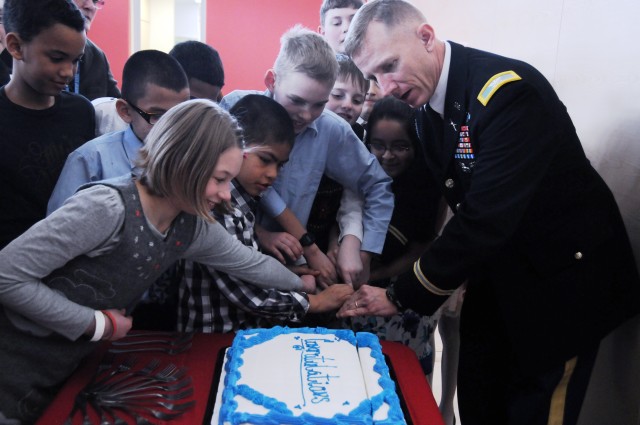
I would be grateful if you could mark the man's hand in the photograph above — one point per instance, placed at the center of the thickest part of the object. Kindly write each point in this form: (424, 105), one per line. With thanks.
(367, 301)
(279, 244)
(330, 299)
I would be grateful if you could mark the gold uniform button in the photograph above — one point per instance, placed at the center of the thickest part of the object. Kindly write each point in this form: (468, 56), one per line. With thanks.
(449, 183)
(578, 255)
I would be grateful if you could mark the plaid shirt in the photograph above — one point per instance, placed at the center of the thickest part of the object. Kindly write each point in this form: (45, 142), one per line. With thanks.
(213, 301)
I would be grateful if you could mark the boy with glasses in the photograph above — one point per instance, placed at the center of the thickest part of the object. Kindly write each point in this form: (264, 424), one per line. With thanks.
(153, 82)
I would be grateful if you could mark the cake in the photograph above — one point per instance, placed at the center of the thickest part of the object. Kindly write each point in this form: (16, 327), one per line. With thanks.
(306, 376)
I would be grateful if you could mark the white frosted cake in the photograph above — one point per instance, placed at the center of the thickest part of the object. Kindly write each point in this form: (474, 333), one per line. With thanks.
(306, 376)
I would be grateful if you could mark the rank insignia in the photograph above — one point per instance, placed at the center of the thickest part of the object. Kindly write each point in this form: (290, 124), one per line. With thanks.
(494, 84)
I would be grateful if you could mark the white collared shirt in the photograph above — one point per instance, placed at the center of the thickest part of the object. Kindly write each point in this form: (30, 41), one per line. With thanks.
(437, 100)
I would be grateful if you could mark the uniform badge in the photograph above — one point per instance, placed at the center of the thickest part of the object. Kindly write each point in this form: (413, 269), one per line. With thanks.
(465, 155)
(494, 83)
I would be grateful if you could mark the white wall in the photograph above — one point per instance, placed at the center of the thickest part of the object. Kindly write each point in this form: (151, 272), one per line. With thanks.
(590, 52)
(160, 24)
(161, 28)
(187, 20)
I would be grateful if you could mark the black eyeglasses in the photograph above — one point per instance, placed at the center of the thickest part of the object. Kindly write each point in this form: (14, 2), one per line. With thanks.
(394, 149)
(150, 118)
(99, 4)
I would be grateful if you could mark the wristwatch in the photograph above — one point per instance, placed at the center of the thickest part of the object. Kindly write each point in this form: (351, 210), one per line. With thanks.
(391, 295)
(307, 240)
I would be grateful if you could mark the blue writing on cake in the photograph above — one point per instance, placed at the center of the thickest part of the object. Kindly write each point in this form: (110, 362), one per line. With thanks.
(315, 376)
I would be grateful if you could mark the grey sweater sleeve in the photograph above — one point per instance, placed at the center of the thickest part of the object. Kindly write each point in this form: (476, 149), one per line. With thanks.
(214, 247)
(88, 223)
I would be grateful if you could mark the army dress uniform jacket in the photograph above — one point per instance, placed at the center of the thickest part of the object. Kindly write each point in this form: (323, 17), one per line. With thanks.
(534, 223)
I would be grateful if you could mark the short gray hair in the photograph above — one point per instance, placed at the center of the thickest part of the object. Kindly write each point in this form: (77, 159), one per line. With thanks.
(306, 51)
(182, 150)
(388, 12)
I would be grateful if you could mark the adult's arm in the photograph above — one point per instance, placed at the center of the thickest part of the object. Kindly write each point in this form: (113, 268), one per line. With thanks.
(401, 264)
(519, 134)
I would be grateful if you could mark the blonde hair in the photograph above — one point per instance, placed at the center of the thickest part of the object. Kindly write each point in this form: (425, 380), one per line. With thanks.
(305, 51)
(182, 150)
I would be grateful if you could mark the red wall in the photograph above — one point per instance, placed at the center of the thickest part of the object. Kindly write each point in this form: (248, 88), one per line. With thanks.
(246, 33)
(110, 31)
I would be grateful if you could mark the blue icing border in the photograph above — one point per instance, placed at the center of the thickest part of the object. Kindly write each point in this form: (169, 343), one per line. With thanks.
(388, 394)
(278, 411)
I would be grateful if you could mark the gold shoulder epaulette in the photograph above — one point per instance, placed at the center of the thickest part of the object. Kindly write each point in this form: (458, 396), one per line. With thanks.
(494, 84)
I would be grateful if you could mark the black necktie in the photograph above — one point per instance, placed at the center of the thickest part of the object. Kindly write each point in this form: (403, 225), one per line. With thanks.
(429, 126)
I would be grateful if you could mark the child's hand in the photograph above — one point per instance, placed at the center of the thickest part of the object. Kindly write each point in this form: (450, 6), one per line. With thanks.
(309, 285)
(279, 244)
(319, 261)
(302, 270)
(330, 299)
(349, 261)
(117, 319)
(363, 278)
(332, 254)
(308, 275)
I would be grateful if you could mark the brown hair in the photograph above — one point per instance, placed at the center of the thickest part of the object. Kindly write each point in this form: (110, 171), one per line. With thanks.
(182, 150)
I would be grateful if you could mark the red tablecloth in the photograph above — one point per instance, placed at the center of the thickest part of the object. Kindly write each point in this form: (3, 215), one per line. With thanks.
(201, 361)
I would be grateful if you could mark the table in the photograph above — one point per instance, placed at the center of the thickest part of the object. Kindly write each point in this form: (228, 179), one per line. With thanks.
(201, 360)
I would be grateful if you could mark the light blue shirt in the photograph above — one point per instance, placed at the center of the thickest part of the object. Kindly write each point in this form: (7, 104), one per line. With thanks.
(328, 146)
(110, 155)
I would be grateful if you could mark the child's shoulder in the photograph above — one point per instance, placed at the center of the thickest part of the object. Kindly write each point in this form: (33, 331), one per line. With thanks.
(329, 124)
(63, 101)
(75, 101)
(101, 200)
(102, 142)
